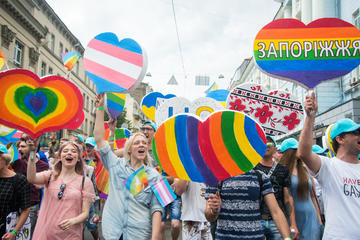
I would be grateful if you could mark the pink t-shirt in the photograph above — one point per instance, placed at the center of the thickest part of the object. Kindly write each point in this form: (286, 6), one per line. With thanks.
(53, 210)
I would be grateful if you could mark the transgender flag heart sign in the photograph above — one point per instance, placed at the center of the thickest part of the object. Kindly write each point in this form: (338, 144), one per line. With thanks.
(113, 65)
(326, 48)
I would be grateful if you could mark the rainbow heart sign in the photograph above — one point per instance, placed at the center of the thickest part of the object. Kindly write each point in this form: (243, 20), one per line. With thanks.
(227, 143)
(277, 111)
(148, 103)
(113, 65)
(35, 105)
(326, 48)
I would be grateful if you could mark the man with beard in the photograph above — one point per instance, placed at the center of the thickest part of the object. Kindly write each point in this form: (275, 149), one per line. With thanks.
(20, 166)
(280, 179)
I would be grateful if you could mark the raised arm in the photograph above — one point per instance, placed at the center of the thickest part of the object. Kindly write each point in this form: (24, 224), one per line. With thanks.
(99, 129)
(278, 215)
(311, 160)
(32, 176)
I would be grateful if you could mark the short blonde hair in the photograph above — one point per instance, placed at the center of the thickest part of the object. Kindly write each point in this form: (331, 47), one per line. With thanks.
(128, 144)
(6, 157)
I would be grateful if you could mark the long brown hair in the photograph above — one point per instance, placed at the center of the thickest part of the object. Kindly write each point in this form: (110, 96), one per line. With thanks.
(290, 160)
(79, 167)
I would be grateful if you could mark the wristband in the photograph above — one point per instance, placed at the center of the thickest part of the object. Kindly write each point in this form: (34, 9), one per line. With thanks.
(14, 232)
(101, 108)
(111, 139)
(213, 213)
(287, 238)
(97, 213)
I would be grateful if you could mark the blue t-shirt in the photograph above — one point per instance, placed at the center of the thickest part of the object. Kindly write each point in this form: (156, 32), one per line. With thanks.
(240, 216)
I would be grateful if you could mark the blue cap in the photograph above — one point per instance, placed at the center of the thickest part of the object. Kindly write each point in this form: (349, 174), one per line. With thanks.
(344, 125)
(278, 147)
(272, 138)
(319, 150)
(289, 143)
(3, 149)
(150, 124)
(80, 137)
(90, 141)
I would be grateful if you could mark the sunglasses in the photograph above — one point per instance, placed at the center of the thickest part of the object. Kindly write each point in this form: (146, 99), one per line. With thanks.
(61, 193)
(146, 129)
(270, 145)
(356, 132)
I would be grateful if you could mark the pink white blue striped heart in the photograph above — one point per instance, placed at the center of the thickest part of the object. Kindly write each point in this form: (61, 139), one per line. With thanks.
(113, 65)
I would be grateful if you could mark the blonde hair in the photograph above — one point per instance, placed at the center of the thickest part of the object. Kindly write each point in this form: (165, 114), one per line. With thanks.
(128, 144)
(6, 157)
(79, 167)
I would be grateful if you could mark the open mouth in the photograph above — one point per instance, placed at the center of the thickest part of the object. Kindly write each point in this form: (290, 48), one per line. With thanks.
(69, 159)
(141, 151)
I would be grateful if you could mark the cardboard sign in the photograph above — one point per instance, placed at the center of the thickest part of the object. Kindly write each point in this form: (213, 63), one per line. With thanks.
(114, 104)
(35, 105)
(113, 65)
(70, 59)
(148, 103)
(278, 112)
(326, 48)
(227, 143)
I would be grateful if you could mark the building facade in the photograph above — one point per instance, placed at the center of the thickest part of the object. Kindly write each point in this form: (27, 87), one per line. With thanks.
(337, 98)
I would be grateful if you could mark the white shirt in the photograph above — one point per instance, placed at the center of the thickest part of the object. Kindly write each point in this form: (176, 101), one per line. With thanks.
(193, 203)
(340, 182)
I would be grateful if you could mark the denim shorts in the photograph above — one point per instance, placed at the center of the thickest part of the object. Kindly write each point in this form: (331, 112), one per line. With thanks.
(270, 230)
(90, 225)
(175, 210)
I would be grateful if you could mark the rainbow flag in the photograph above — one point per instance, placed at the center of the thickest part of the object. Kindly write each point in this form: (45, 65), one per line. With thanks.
(137, 181)
(163, 192)
(213, 87)
(70, 59)
(115, 103)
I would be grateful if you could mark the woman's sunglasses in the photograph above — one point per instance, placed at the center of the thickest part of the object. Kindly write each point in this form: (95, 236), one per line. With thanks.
(61, 193)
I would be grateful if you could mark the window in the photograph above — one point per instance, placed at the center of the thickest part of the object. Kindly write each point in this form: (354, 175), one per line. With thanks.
(202, 80)
(50, 71)
(90, 128)
(61, 49)
(92, 105)
(18, 53)
(66, 50)
(84, 98)
(43, 69)
(87, 103)
(86, 126)
(52, 42)
(76, 68)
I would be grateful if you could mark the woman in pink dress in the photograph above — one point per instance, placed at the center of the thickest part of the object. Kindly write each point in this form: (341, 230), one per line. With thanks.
(67, 196)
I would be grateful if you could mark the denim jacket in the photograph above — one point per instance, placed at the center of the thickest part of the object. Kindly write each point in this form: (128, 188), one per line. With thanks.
(123, 213)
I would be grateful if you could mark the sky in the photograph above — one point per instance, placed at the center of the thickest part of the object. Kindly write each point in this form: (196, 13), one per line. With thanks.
(215, 35)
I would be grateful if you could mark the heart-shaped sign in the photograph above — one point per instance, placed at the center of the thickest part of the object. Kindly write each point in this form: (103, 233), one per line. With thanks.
(2, 60)
(277, 111)
(35, 105)
(324, 49)
(148, 103)
(227, 143)
(113, 65)
(114, 104)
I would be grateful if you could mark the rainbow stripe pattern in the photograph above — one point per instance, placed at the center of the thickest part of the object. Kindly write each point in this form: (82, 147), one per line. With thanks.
(115, 103)
(163, 192)
(113, 65)
(148, 103)
(213, 87)
(121, 135)
(307, 54)
(2, 60)
(70, 59)
(35, 105)
(137, 181)
(226, 144)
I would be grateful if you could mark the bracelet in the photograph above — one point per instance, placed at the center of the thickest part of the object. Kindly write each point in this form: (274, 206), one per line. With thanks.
(111, 139)
(101, 108)
(14, 232)
(287, 238)
(97, 213)
(213, 213)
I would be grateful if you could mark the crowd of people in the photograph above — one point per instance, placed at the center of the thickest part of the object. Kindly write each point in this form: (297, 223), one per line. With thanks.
(295, 192)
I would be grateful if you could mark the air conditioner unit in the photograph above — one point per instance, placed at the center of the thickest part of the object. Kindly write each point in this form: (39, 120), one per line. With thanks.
(354, 81)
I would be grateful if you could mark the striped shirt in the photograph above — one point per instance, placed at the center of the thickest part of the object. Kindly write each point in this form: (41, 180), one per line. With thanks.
(240, 216)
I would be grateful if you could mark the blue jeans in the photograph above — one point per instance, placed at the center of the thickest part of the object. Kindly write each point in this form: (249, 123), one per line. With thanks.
(175, 210)
(90, 225)
(271, 232)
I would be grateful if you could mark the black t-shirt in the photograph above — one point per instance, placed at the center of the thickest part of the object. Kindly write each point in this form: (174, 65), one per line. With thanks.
(280, 178)
(14, 195)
